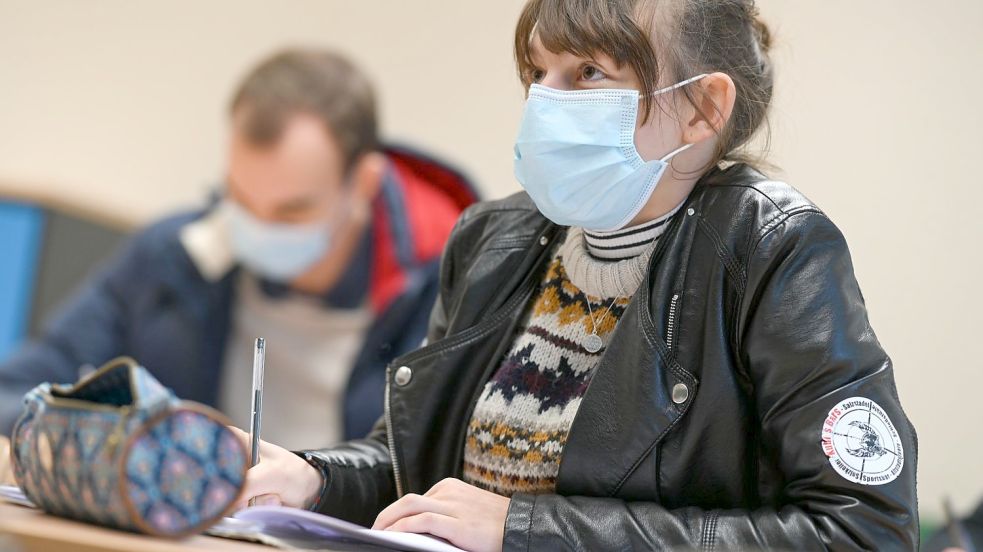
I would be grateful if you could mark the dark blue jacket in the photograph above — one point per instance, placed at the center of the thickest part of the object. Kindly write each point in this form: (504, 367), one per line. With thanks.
(151, 303)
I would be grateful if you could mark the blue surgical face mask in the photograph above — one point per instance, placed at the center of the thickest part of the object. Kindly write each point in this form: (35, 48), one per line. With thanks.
(275, 251)
(575, 155)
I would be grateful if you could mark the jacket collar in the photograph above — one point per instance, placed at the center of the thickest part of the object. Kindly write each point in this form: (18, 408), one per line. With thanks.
(207, 244)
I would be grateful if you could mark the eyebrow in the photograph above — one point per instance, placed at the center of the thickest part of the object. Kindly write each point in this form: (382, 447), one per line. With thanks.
(293, 206)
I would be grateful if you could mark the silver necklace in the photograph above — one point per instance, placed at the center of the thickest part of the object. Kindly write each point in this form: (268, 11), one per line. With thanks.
(593, 342)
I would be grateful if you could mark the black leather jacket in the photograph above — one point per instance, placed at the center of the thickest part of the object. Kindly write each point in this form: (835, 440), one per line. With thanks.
(703, 424)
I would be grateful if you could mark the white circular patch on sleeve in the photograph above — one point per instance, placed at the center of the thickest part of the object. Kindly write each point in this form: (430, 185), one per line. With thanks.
(861, 442)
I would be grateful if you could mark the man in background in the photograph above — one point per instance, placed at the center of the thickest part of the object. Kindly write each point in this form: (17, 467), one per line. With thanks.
(323, 241)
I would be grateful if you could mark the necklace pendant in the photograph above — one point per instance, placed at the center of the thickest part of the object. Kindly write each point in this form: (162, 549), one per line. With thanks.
(593, 343)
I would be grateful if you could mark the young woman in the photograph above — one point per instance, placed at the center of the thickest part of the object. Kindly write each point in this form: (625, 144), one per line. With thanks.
(635, 353)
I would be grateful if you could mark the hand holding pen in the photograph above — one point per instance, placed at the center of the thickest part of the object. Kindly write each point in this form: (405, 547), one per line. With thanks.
(283, 478)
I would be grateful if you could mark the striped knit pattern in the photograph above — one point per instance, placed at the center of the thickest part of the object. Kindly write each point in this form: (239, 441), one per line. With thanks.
(628, 242)
(520, 423)
(519, 427)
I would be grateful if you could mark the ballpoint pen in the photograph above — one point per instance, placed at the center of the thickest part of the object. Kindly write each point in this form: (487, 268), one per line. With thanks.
(256, 419)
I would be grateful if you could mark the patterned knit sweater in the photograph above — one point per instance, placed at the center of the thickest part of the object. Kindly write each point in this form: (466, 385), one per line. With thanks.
(520, 423)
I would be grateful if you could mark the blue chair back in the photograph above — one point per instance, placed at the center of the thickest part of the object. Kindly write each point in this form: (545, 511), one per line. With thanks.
(21, 230)
(45, 253)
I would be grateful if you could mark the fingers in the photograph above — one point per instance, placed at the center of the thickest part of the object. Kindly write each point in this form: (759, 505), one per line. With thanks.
(410, 505)
(261, 500)
(279, 472)
(266, 449)
(260, 480)
(430, 523)
(446, 487)
(240, 434)
(267, 500)
(468, 517)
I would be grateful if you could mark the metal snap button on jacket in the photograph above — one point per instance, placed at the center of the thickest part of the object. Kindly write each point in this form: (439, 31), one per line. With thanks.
(679, 392)
(403, 375)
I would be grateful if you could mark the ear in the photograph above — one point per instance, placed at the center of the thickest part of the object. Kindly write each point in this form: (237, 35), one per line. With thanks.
(366, 176)
(714, 97)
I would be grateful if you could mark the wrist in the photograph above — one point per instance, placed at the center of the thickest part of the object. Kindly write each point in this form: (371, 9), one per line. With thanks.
(313, 479)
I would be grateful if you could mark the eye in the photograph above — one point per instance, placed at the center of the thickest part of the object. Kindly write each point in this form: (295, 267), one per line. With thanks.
(536, 75)
(592, 73)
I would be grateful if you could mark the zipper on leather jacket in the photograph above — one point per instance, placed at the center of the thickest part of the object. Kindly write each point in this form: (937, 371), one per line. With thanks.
(390, 440)
(671, 326)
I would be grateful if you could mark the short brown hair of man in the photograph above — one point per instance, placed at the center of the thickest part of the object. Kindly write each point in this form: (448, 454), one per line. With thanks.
(309, 81)
(692, 37)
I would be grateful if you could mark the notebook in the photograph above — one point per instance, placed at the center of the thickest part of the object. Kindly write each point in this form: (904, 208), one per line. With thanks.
(296, 528)
(292, 528)
(13, 494)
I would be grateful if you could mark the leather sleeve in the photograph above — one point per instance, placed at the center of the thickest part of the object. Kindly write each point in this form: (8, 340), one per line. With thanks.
(808, 350)
(358, 477)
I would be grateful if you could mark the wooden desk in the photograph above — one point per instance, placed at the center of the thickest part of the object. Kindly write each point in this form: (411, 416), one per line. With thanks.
(31, 530)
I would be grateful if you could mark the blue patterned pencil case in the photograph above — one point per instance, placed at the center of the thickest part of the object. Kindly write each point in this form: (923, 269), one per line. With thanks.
(121, 450)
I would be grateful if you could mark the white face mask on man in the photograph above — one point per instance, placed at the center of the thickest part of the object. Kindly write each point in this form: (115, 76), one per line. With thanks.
(279, 252)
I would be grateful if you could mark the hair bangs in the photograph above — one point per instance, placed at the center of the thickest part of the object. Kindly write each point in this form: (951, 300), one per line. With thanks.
(586, 28)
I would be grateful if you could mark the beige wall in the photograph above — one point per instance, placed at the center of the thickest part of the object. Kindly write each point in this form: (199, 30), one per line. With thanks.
(119, 105)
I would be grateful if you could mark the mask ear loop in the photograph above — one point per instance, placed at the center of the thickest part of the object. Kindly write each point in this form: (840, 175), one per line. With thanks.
(679, 84)
(674, 152)
(690, 80)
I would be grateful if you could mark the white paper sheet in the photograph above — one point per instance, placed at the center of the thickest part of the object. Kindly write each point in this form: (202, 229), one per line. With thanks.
(13, 494)
(297, 529)
(284, 521)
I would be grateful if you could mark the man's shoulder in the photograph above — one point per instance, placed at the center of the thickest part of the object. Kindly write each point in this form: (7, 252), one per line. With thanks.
(168, 228)
(156, 248)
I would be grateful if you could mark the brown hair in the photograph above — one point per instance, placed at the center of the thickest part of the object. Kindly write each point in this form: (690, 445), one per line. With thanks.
(695, 36)
(317, 82)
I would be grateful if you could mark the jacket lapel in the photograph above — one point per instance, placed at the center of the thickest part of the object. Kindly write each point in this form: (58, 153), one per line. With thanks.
(628, 407)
